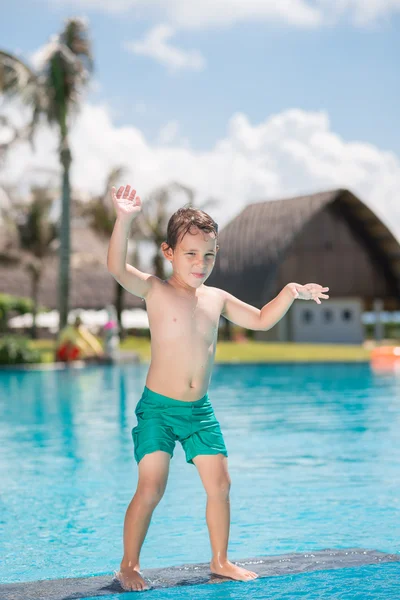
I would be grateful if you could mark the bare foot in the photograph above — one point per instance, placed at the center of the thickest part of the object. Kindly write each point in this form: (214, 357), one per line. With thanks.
(228, 569)
(130, 579)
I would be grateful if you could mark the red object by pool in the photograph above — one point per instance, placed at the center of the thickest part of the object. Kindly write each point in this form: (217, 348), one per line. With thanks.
(67, 352)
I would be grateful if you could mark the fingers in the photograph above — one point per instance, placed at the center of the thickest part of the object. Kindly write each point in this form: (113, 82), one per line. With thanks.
(124, 192)
(317, 292)
(124, 199)
(317, 298)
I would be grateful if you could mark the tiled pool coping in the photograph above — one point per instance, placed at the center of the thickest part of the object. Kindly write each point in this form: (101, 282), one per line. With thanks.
(195, 574)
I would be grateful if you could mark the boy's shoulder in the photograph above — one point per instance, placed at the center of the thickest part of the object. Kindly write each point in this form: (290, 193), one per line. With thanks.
(215, 292)
(212, 289)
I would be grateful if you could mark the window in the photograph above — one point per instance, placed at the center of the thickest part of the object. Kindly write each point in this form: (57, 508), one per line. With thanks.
(347, 314)
(327, 315)
(307, 316)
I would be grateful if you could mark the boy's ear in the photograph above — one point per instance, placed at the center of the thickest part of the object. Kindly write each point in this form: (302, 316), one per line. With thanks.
(168, 252)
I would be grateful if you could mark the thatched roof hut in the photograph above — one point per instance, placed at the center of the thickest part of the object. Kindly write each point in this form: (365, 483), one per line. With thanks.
(331, 238)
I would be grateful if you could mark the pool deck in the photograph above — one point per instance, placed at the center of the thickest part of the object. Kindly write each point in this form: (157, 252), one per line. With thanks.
(122, 359)
(195, 574)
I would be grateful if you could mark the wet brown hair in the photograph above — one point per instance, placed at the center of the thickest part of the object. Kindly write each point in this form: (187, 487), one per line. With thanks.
(183, 219)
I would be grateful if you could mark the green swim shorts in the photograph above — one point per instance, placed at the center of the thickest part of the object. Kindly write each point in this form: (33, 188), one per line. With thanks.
(163, 420)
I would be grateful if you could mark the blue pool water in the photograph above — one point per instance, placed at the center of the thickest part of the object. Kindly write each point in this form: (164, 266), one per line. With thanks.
(314, 459)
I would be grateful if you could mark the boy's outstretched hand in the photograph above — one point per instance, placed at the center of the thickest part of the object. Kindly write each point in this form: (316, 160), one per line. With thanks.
(310, 291)
(125, 204)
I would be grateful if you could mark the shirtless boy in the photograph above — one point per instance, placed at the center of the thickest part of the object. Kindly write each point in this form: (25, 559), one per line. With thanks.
(184, 315)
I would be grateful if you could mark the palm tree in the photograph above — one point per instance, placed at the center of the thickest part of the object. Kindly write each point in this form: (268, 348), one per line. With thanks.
(37, 236)
(54, 92)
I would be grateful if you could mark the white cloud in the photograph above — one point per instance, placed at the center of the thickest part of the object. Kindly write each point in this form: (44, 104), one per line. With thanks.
(360, 12)
(155, 45)
(289, 153)
(41, 55)
(224, 13)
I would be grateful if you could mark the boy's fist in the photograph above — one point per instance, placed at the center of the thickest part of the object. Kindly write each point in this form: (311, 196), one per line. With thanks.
(125, 203)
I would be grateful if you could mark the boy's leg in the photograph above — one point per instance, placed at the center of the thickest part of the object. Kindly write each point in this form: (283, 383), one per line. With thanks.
(213, 470)
(153, 476)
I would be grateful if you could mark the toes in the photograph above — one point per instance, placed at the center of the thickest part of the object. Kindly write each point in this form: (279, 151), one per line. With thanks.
(250, 575)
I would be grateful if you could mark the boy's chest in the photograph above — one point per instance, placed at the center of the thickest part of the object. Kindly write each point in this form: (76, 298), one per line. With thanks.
(185, 318)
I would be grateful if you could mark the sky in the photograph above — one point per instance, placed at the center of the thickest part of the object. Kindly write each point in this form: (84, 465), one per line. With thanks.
(242, 101)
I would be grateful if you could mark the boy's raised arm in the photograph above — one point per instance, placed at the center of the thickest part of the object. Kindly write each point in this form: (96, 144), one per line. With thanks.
(249, 317)
(127, 208)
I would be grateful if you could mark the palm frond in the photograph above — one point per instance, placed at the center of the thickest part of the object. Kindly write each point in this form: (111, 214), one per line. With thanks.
(15, 75)
(76, 37)
(36, 231)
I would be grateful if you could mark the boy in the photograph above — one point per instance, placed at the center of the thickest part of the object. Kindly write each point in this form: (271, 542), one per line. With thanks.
(184, 316)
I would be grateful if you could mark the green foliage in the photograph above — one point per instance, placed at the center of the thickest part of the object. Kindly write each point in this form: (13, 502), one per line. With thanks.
(15, 350)
(391, 331)
(18, 304)
(13, 303)
(36, 230)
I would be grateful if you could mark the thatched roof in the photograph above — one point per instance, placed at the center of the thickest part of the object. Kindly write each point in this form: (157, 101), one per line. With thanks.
(255, 242)
(91, 285)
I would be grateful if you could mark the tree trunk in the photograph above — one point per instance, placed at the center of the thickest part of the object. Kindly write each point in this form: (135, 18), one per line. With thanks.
(119, 305)
(158, 265)
(34, 295)
(65, 243)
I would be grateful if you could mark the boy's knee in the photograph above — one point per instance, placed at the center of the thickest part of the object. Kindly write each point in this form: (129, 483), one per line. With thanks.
(150, 492)
(220, 488)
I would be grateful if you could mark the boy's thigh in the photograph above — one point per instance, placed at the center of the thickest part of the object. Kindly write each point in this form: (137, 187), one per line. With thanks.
(214, 474)
(153, 470)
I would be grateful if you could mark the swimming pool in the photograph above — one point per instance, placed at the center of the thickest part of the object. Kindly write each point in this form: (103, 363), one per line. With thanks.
(314, 460)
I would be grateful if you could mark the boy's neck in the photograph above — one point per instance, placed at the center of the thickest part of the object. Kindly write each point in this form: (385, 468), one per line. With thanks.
(181, 286)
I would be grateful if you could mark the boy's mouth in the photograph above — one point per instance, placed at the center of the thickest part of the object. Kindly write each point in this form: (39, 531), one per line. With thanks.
(199, 275)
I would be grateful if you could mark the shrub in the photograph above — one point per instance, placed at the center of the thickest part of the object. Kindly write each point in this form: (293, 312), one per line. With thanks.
(15, 350)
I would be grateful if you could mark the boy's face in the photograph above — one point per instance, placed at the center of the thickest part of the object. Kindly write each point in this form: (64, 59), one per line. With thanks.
(194, 257)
